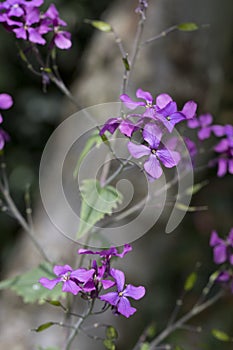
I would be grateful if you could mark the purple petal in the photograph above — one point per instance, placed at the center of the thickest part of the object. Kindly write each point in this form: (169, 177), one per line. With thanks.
(60, 270)
(6, 101)
(145, 96)
(204, 133)
(111, 298)
(71, 287)
(230, 237)
(162, 100)
(222, 167)
(229, 130)
(176, 118)
(107, 284)
(169, 109)
(230, 166)
(153, 167)
(52, 12)
(111, 125)
(35, 36)
(129, 103)
(223, 276)
(127, 248)
(32, 16)
(16, 11)
(205, 119)
(119, 277)
(193, 123)
(124, 307)
(138, 151)
(168, 158)
(189, 109)
(20, 33)
(214, 239)
(89, 286)
(231, 259)
(152, 134)
(220, 254)
(62, 40)
(86, 251)
(218, 130)
(134, 292)
(50, 284)
(222, 146)
(127, 128)
(82, 275)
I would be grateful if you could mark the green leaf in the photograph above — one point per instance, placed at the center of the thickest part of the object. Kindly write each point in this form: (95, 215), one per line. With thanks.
(190, 281)
(43, 326)
(94, 196)
(187, 27)
(109, 344)
(222, 336)
(28, 287)
(196, 188)
(55, 303)
(94, 139)
(102, 26)
(184, 207)
(126, 63)
(145, 346)
(111, 333)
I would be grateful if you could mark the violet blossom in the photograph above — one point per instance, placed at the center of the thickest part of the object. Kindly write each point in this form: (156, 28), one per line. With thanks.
(119, 299)
(156, 151)
(164, 109)
(225, 150)
(6, 102)
(74, 281)
(222, 249)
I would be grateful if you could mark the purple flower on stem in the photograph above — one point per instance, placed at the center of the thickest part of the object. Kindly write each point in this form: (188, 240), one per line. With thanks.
(164, 110)
(225, 148)
(226, 276)
(6, 102)
(119, 299)
(74, 281)
(156, 152)
(222, 248)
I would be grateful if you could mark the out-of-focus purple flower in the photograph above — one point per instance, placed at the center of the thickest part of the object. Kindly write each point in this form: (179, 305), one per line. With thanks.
(141, 9)
(6, 102)
(222, 249)
(119, 299)
(155, 151)
(163, 110)
(203, 122)
(225, 149)
(74, 281)
(226, 277)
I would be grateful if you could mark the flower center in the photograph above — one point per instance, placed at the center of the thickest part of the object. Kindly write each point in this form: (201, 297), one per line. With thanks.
(153, 151)
(120, 294)
(66, 277)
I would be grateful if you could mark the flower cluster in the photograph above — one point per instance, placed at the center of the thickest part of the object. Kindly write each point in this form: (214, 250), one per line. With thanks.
(224, 148)
(25, 19)
(6, 102)
(223, 255)
(157, 120)
(90, 282)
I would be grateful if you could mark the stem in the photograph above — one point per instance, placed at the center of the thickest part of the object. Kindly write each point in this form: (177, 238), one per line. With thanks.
(23, 223)
(179, 323)
(77, 327)
(160, 35)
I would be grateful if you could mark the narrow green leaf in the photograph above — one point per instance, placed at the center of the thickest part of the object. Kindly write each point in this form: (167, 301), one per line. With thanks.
(28, 287)
(190, 281)
(109, 345)
(54, 303)
(43, 326)
(213, 276)
(94, 139)
(196, 188)
(126, 63)
(222, 336)
(111, 333)
(102, 26)
(184, 207)
(145, 346)
(151, 331)
(23, 56)
(187, 27)
(94, 196)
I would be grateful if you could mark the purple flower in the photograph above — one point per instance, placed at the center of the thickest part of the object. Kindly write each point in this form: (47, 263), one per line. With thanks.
(156, 152)
(164, 110)
(74, 281)
(6, 102)
(119, 300)
(222, 248)
(225, 148)
(126, 126)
